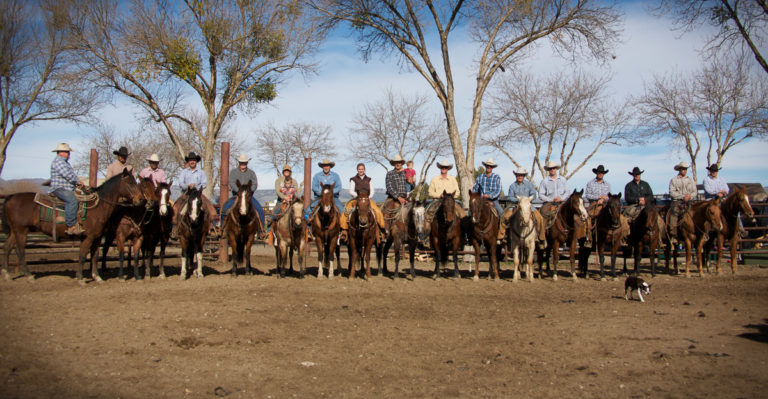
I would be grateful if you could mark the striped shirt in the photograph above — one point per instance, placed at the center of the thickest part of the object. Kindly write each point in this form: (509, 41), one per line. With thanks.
(189, 176)
(62, 174)
(395, 182)
(157, 175)
(488, 185)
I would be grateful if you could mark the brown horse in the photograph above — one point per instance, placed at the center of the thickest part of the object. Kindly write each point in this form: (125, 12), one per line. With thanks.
(363, 231)
(290, 232)
(157, 230)
(570, 226)
(484, 230)
(194, 223)
(406, 225)
(22, 215)
(608, 231)
(694, 226)
(645, 230)
(242, 225)
(445, 234)
(737, 202)
(325, 229)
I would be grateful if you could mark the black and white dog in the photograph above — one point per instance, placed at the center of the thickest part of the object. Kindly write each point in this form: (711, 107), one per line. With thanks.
(633, 283)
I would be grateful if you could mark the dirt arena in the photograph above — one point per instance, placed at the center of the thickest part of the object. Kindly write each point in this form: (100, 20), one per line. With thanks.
(264, 337)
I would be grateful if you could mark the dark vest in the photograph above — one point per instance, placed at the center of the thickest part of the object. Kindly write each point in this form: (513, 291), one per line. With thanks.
(361, 184)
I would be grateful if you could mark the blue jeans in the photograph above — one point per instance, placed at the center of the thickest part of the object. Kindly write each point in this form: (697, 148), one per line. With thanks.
(308, 211)
(254, 202)
(70, 204)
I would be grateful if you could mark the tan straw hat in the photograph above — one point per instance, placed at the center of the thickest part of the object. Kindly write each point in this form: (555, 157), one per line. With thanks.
(682, 165)
(243, 158)
(444, 164)
(397, 159)
(63, 147)
(521, 171)
(489, 163)
(326, 161)
(551, 165)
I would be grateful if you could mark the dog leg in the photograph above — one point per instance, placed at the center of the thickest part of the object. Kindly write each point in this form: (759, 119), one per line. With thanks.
(640, 294)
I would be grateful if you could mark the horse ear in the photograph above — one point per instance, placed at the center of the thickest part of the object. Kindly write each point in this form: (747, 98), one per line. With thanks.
(581, 192)
(126, 172)
(249, 184)
(237, 182)
(170, 183)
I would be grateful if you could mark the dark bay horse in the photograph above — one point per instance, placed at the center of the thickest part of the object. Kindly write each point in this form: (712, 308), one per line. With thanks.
(570, 225)
(737, 202)
(194, 223)
(290, 232)
(693, 228)
(645, 230)
(22, 215)
(363, 232)
(242, 224)
(406, 225)
(445, 234)
(325, 229)
(608, 231)
(485, 229)
(157, 230)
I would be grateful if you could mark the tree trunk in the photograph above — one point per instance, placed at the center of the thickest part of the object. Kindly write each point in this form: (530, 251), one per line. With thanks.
(3, 146)
(208, 156)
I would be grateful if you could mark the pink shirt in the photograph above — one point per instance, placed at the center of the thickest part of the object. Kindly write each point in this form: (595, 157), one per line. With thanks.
(157, 175)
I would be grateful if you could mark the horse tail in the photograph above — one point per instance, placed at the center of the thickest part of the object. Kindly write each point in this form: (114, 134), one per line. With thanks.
(240, 249)
(3, 223)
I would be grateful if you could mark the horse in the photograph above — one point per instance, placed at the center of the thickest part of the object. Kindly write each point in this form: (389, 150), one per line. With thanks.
(325, 229)
(157, 230)
(363, 232)
(570, 225)
(522, 237)
(608, 231)
(194, 223)
(406, 225)
(693, 228)
(484, 230)
(22, 215)
(242, 224)
(644, 230)
(737, 202)
(290, 231)
(445, 233)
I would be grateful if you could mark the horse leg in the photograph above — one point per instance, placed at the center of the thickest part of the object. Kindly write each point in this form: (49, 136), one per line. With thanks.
(367, 259)
(236, 252)
(108, 239)
(352, 249)
(600, 258)
(516, 254)
(476, 246)
(9, 243)
(456, 273)
(529, 260)
(320, 253)
(329, 259)
(199, 271)
(21, 250)
(385, 252)
(120, 250)
(398, 249)
(733, 247)
(94, 249)
(412, 254)
(699, 255)
(136, 253)
(652, 255)
(248, 244)
(438, 256)
(184, 259)
(555, 259)
(161, 268)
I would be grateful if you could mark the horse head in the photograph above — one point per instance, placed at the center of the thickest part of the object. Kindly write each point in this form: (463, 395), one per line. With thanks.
(297, 210)
(129, 190)
(448, 207)
(147, 189)
(418, 210)
(713, 215)
(614, 208)
(195, 203)
(524, 208)
(576, 204)
(363, 207)
(244, 195)
(163, 193)
(476, 204)
(326, 197)
(743, 205)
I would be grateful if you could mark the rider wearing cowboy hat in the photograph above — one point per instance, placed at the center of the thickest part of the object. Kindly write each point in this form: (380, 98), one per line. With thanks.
(243, 174)
(153, 171)
(488, 185)
(63, 183)
(553, 190)
(714, 186)
(358, 182)
(682, 189)
(637, 191)
(325, 176)
(191, 177)
(597, 189)
(523, 187)
(117, 167)
(439, 184)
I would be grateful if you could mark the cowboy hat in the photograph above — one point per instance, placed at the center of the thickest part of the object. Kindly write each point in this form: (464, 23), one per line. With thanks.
(192, 155)
(63, 147)
(521, 171)
(153, 158)
(599, 169)
(682, 165)
(713, 168)
(636, 171)
(489, 163)
(243, 158)
(287, 167)
(444, 164)
(326, 161)
(123, 152)
(397, 159)
(551, 165)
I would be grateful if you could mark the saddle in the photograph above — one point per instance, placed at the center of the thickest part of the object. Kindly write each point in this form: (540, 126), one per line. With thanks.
(52, 208)
(551, 214)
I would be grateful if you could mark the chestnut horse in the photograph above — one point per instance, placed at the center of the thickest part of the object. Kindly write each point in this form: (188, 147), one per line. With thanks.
(325, 229)
(694, 226)
(242, 224)
(194, 223)
(445, 234)
(608, 231)
(290, 233)
(363, 231)
(645, 230)
(22, 215)
(570, 226)
(406, 225)
(737, 202)
(485, 229)
(521, 235)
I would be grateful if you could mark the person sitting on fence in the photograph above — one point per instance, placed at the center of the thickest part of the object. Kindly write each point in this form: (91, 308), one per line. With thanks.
(243, 174)
(117, 167)
(324, 177)
(714, 186)
(63, 184)
(358, 183)
(153, 171)
(440, 184)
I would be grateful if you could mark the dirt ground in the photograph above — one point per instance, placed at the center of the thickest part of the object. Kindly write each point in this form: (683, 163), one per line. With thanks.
(265, 337)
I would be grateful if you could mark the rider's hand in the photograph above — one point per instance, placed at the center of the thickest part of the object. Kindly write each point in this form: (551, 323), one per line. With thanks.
(486, 196)
(402, 200)
(557, 199)
(191, 185)
(641, 201)
(687, 197)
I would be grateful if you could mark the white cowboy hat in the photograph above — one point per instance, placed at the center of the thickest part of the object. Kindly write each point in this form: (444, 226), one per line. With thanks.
(489, 162)
(287, 167)
(521, 171)
(397, 159)
(326, 161)
(153, 158)
(682, 165)
(444, 164)
(551, 164)
(62, 147)
(243, 158)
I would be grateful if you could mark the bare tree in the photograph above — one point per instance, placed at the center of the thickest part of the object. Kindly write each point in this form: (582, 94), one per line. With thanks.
(222, 54)
(292, 143)
(39, 79)
(398, 125)
(713, 110)
(504, 30)
(555, 117)
(742, 23)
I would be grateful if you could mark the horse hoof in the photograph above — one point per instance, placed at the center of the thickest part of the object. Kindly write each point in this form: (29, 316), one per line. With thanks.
(603, 279)
(161, 277)
(6, 276)
(475, 278)
(554, 278)
(81, 282)
(121, 279)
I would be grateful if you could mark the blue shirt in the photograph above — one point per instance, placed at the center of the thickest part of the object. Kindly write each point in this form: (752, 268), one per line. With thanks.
(713, 185)
(524, 189)
(549, 189)
(62, 174)
(189, 176)
(595, 190)
(488, 185)
(321, 178)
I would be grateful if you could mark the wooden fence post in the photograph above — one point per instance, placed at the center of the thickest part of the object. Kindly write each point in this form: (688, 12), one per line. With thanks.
(93, 169)
(307, 193)
(223, 197)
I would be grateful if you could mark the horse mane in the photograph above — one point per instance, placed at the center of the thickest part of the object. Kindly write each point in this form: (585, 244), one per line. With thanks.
(731, 202)
(110, 185)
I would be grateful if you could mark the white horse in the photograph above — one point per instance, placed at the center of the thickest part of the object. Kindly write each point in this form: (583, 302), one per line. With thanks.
(522, 237)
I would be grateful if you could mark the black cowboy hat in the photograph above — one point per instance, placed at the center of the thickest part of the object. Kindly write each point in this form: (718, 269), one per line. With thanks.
(122, 152)
(713, 168)
(192, 155)
(636, 171)
(599, 169)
